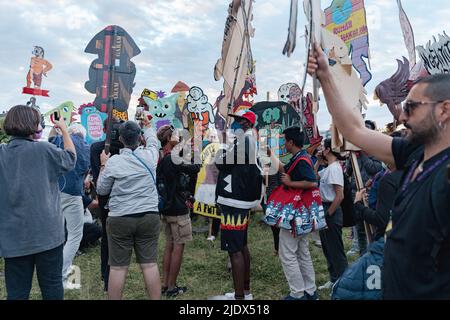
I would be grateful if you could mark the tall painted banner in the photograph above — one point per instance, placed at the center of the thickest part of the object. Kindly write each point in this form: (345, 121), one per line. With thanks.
(347, 19)
(205, 190)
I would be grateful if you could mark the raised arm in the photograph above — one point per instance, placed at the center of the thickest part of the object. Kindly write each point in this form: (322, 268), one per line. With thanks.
(346, 120)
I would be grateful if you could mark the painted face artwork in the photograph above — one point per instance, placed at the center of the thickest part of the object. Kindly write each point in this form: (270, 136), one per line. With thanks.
(163, 111)
(283, 92)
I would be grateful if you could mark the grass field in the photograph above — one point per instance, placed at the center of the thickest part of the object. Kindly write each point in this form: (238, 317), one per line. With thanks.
(203, 271)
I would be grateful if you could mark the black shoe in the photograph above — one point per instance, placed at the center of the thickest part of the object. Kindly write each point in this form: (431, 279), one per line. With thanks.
(313, 296)
(164, 290)
(175, 292)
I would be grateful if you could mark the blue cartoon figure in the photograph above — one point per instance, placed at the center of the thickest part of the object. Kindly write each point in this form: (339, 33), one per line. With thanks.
(92, 120)
(163, 111)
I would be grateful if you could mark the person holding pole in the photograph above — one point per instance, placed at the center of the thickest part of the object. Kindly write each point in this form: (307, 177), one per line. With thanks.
(417, 249)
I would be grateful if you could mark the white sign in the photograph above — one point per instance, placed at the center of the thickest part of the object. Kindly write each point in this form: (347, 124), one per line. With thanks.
(436, 56)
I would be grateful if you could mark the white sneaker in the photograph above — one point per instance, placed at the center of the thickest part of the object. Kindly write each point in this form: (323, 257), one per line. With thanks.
(71, 286)
(352, 252)
(246, 297)
(224, 297)
(211, 238)
(327, 285)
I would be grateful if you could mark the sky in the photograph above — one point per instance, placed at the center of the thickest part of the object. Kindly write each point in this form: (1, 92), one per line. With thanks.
(182, 40)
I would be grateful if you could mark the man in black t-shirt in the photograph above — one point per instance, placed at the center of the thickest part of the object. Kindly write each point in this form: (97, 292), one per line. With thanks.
(417, 250)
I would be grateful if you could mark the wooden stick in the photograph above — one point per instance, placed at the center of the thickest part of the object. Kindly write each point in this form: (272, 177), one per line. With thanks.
(210, 227)
(359, 186)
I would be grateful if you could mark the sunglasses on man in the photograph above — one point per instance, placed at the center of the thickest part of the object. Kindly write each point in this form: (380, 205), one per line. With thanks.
(410, 105)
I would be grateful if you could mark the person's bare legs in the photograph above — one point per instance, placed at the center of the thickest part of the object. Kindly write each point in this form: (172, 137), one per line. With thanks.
(175, 265)
(246, 254)
(152, 280)
(238, 272)
(116, 283)
(167, 262)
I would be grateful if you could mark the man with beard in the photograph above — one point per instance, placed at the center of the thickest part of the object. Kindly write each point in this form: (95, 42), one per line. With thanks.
(417, 250)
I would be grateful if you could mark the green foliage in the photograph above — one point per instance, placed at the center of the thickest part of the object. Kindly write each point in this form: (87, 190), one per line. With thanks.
(4, 138)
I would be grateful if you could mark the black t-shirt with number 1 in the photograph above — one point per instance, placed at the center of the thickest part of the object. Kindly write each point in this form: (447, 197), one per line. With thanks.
(417, 250)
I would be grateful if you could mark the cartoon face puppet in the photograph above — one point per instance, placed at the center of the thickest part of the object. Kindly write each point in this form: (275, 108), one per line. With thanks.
(163, 111)
(38, 67)
(283, 92)
(198, 105)
(65, 110)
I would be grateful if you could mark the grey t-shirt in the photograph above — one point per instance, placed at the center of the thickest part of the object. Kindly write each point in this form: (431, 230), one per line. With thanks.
(31, 220)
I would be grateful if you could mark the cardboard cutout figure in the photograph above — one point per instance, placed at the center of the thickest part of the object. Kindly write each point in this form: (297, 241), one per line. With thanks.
(236, 64)
(32, 104)
(283, 92)
(38, 67)
(271, 120)
(408, 34)
(163, 111)
(347, 19)
(92, 120)
(200, 109)
(436, 55)
(346, 79)
(66, 111)
(205, 189)
(289, 47)
(111, 75)
(182, 88)
(393, 91)
(309, 122)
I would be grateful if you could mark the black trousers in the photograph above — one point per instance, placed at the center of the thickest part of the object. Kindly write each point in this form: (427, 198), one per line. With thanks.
(333, 245)
(104, 256)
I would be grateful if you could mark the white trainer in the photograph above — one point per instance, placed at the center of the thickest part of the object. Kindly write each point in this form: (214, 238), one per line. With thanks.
(246, 297)
(327, 285)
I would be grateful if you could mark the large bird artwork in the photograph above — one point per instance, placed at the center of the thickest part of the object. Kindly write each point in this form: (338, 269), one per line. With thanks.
(393, 91)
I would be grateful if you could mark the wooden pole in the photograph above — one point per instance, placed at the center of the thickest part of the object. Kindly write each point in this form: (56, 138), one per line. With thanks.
(359, 186)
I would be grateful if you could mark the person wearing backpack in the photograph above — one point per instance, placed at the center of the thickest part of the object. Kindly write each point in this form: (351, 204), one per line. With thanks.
(294, 252)
(173, 182)
(133, 218)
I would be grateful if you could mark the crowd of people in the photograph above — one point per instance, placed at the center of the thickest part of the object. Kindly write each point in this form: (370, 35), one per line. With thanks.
(138, 188)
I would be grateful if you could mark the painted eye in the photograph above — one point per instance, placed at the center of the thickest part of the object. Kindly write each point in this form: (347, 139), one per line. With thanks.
(65, 109)
(166, 106)
(155, 107)
(288, 96)
(282, 96)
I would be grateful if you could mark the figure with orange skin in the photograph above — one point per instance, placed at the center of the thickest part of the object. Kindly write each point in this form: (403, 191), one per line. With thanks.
(38, 67)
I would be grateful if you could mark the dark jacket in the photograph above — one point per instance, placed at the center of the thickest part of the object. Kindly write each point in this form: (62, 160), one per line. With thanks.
(387, 190)
(96, 150)
(174, 194)
(72, 182)
(368, 167)
(240, 177)
(362, 280)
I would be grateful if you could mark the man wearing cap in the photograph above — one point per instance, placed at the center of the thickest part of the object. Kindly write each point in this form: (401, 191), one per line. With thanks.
(238, 190)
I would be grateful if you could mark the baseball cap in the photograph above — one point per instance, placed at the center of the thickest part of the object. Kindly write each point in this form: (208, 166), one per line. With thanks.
(245, 114)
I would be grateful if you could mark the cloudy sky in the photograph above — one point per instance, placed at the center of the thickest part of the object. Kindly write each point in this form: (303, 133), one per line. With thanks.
(181, 40)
